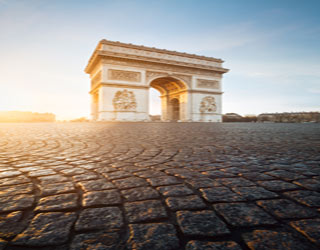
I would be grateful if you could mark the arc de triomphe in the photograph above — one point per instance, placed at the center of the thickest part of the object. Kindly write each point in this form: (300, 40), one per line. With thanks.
(121, 75)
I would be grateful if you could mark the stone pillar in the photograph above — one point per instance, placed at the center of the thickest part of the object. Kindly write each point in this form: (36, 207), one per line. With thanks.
(94, 106)
(164, 108)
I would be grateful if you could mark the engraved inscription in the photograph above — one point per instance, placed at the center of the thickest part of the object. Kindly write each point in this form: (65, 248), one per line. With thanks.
(209, 84)
(123, 75)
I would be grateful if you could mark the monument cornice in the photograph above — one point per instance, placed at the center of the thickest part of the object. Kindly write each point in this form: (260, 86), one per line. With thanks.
(152, 55)
(99, 55)
(164, 51)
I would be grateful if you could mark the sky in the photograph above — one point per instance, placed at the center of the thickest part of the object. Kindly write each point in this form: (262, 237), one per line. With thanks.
(272, 49)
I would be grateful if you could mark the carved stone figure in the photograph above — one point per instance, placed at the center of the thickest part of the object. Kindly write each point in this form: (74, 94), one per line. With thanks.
(124, 101)
(208, 105)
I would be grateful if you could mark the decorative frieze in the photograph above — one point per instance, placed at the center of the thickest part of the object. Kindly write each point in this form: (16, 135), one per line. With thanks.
(208, 105)
(124, 101)
(208, 84)
(156, 66)
(123, 75)
(151, 53)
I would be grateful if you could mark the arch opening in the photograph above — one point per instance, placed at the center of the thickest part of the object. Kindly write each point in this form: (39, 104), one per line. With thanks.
(173, 95)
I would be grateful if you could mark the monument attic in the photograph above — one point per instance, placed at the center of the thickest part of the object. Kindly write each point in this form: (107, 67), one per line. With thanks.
(121, 75)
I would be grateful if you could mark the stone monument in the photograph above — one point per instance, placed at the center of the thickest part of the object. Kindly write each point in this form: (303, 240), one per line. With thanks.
(121, 75)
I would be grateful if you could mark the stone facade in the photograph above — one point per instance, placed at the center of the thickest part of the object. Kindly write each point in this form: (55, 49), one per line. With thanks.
(121, 75)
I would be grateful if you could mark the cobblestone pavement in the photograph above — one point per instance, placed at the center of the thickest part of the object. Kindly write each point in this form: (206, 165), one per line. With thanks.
(159, 186)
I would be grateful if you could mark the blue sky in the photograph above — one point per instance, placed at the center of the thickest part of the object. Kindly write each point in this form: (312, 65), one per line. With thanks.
(272, 49)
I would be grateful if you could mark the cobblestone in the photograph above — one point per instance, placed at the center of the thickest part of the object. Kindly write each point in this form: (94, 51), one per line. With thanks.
(312, 184)
(242, 214)
(14, 181)
(310, 228)
(220, 194)
(56, 188)
(107, 197)
(203, 223)
(95, 185)
(140, 193)
(207, 245)
(9, 174)
(309, 198)
(17, 189)
(286, 209)
(57, 202)
(277, 185)
(47, 229)
(254, 193)
(176, 190)
(17, 202)
(189, 202)
(52, 179)
(163, 180)
(265, 240)
(98, 241)
(159, 186)
(10, 224)
(130, 182)
(157, 236)
(99, 218)
(144, 211)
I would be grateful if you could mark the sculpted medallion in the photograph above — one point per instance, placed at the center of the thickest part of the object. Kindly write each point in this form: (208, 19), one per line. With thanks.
(208, 105)
(124, 101)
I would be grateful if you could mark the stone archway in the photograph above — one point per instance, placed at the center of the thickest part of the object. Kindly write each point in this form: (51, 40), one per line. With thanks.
(173, 92)
(121, 75)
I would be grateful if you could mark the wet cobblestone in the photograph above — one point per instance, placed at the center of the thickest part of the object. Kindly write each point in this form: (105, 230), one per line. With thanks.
(159, 186)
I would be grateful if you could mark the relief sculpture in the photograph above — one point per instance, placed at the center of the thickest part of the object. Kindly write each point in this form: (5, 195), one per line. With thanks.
(124, 101)
(209, 84)
(208, 105)
(123, 75)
